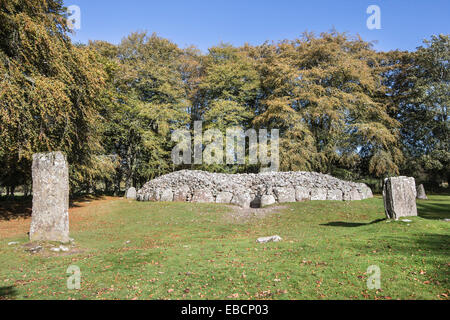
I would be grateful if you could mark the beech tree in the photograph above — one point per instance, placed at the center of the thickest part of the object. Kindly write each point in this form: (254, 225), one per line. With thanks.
(48, 91)
(322, 92)
(420, 89)
(341, 107)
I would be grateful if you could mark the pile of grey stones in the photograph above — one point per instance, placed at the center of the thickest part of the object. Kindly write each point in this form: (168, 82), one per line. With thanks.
(250, 190)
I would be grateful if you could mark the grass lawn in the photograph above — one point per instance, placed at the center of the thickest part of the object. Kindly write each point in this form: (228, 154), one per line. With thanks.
(136, 250)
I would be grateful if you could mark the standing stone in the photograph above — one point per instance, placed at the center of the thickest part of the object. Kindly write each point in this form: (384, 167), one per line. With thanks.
(302, 194)
(399, 195)
(319, 194)
(50, 215)
(131, 193)
(242, 200)
(267, 200)
(335, 195)
(166, 195)
(355, 195)
(154, 195)
(366, 192)
(181, 194)
(285, 195)
(421, 195)
(352, 195)
(203, 196)
(224, 197)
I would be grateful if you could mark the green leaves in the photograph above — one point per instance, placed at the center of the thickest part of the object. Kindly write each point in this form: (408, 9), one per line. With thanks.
(421, 93)
(340, 106)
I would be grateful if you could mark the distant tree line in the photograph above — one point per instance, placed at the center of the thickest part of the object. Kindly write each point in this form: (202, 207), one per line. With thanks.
(342, 107)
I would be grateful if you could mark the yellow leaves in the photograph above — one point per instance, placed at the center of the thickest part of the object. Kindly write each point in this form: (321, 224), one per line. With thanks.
(375, 133)
(224, 113)
(331, 84)
(278, 109)
(381, 164)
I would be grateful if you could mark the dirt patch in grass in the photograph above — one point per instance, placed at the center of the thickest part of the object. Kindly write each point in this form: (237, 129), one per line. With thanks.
(15, 217)
(240, 215)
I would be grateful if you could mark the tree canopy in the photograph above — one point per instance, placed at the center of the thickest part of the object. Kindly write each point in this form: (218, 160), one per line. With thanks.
(341, 107)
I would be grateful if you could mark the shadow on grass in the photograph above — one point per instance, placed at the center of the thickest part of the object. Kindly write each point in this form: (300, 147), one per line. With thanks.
(429, 251)
(17, 208)
(83, 199)
(433, 210)
(7, 293)
(430, 245)
(350, 224)
(21, 207)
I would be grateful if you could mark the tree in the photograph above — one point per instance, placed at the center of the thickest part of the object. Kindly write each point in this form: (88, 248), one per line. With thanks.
(147, 101)
(49, 90)
(420, 89)
(321, 91)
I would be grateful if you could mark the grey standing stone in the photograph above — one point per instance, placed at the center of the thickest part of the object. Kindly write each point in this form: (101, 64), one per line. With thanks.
(224, 197)
(355, 195)
(50, 214)
(166, 195)
(421, 195)
(285, 195)
(302, 194)
(242, 200)
(203, 196)
(318, 194)
(399, 195)
(335, 195)
(181, 194)
(267, 200)
(154, 195)
(366, 192)
(131, 193)
(352, 195)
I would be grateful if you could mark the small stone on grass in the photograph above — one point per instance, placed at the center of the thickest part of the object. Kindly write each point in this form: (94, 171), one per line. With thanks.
(269, 239)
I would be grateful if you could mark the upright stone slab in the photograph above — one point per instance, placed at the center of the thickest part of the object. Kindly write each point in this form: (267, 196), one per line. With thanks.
(166, 195)
(131, 193)
(224, 197)
(318, 194)
(267, 200)
(399, 195)
(285, 195)
(421, 195)
(50, 215)
(181, 194)
(302, 194)
(203, 196)
(335, 195)
(243, 200)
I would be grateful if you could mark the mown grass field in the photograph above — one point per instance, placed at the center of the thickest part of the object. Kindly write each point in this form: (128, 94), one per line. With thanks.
(135, 250)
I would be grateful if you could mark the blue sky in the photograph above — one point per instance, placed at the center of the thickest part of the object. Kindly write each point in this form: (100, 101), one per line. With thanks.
(207, 23)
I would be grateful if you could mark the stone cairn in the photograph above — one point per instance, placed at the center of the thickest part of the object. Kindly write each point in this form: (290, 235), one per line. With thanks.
(421, 195)
(50, 215)
(250, 190)
(399, 195)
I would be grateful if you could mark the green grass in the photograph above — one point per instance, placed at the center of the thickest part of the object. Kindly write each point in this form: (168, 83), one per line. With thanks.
(193, 251)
